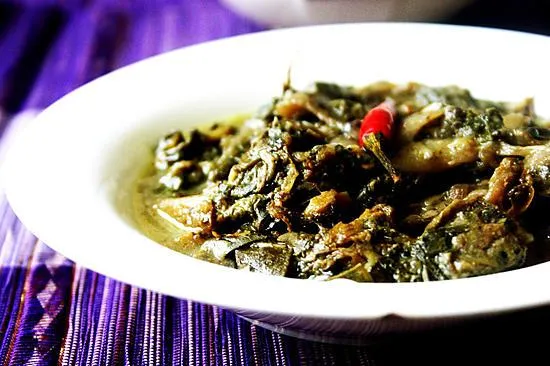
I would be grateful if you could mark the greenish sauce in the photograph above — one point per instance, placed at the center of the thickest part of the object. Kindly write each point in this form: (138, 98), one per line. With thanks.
(145, 195)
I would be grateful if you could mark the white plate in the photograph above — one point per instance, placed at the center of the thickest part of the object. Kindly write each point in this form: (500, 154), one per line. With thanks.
(69, 170)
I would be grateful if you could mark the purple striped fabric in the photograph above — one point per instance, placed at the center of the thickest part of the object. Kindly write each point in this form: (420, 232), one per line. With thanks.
(53, 311)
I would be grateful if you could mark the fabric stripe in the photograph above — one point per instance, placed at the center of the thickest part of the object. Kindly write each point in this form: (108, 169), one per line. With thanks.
(13, 270)
(70, 61)
(32, 35)
(130, 337)
(44, 308)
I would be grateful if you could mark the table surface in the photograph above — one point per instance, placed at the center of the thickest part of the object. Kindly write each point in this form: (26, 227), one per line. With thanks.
(53, 311)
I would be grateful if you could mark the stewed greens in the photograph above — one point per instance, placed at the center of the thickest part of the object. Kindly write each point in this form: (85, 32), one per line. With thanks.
(446, 186)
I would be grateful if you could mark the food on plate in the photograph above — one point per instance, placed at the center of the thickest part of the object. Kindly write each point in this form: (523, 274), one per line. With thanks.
(381, 183)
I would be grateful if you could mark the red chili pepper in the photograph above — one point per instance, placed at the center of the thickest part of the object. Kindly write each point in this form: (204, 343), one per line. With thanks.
(379, 121)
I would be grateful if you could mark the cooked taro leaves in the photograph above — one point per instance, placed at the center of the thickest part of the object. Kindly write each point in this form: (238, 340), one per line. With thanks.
(290, 192)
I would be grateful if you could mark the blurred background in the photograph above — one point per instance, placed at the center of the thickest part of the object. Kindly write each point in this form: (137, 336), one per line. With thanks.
(48, 47)
(505, 13)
